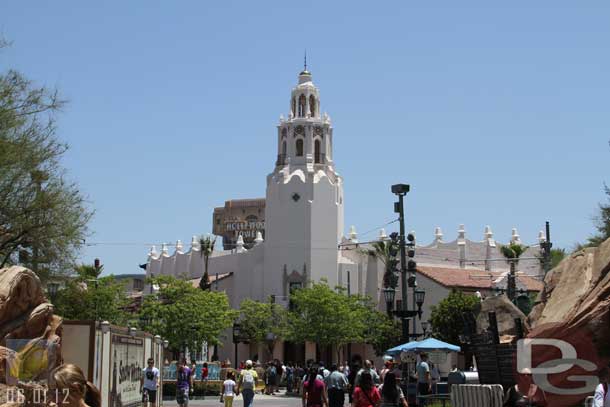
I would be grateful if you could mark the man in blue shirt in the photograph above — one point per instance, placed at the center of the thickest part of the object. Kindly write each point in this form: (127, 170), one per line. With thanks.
(424, 382)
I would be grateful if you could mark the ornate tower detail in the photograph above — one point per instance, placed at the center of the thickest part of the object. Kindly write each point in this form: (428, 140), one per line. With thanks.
(304, 200)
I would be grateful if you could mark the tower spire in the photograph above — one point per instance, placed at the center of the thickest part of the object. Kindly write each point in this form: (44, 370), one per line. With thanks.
(305, 62)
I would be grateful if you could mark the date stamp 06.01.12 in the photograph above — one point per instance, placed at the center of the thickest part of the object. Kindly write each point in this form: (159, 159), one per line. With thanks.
(37, 396)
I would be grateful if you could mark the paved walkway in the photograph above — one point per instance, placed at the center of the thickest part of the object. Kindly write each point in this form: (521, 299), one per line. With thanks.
(260, 400)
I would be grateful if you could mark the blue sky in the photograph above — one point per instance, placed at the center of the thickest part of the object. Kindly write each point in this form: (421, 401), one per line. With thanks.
(495, 114)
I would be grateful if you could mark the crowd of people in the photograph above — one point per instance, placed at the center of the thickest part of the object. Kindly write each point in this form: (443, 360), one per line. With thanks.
(322, 386)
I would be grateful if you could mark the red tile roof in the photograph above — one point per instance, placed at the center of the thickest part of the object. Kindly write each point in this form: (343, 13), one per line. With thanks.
(473, 278)
(211, 279)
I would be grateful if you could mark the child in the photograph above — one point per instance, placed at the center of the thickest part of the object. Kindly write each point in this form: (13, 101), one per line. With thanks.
(228, 390)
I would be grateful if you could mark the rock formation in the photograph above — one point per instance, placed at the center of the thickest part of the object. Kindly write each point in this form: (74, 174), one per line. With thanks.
(26, 320)
(577, 295)
(574, 307)
(506, 312)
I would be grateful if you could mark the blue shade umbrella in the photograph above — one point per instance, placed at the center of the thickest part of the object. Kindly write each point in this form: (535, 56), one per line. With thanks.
(427, 345)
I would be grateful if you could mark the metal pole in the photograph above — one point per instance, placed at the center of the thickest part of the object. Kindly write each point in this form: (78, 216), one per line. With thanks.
(349, 345)
(235, 366)
(403, 264)
(547, 251)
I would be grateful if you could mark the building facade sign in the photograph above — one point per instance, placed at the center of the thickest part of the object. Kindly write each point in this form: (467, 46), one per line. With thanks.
(245, 217)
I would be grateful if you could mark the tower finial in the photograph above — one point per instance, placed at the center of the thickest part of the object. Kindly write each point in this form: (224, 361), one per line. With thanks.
(305, 61)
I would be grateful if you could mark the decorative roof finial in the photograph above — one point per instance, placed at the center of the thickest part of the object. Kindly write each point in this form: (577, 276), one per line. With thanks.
(305, 61)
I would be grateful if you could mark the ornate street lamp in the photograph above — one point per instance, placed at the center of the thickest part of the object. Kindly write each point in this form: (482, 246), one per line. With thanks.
(236, 339)
(389, 293)
(52, 290)
(420, 296)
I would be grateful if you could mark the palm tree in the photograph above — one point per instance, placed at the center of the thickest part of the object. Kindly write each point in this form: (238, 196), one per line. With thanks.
(512, 252)
(381, 250)
(206, 248)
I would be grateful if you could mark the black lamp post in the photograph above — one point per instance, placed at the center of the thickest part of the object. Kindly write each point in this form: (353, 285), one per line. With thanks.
(389, 293)
(424, 327)
(420, 296)
(236, 339)
(52, 290)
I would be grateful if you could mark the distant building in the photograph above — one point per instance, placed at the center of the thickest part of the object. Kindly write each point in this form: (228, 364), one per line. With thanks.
(243, 217)
(134, 283)
(295, 235)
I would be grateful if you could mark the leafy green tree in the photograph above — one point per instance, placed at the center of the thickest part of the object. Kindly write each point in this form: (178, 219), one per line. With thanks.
(602, 222)
(446, 318)
(556, 256)
(88, 297)
(263, 322)
(185, 315)
(512, 252)
(206, 245)
(329, 317)
(383, 333)
(43, 216)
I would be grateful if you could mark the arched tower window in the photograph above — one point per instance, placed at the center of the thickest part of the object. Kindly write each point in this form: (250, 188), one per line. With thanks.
(284, 148)
(294, 106)
(316, 152)
(302, 103)
(284, 133)
(299, 147)
(312, 106)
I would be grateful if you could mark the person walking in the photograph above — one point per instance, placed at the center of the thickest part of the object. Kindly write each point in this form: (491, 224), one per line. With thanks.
(289, 377)
(365, 393)
(424, 381)
(204, 377)
(391, 393)
(351, 378)
(184, 383)
(149, 383)
(247, 384)
(368, 367)
(602, 395)
(228, 390)
(387, 366)
(336, 384)
(435, 376)
(314, 391)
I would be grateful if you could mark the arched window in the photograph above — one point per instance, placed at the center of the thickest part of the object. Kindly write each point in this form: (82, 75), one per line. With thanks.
(299, 147)
(316, 152)
(302, 103)
(284, 148)
(284, 133)
(312, 106)
(294, 106)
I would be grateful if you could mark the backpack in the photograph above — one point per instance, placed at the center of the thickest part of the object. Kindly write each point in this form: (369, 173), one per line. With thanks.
(248, 379)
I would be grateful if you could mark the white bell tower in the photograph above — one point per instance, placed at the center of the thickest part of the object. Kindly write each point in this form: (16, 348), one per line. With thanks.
(304, 200)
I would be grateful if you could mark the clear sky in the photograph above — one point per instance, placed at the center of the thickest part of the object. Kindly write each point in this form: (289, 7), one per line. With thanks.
(495, 114)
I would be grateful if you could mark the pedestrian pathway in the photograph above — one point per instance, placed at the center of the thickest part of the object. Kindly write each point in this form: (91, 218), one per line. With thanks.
(260, 400)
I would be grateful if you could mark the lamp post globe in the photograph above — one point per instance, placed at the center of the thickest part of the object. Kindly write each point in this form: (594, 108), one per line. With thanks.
(420, 296)
(389, 294)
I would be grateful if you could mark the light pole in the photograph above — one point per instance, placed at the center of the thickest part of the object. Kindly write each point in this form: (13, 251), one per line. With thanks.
(52, 288)
(424, 327)
(236, 340)
(406, 266)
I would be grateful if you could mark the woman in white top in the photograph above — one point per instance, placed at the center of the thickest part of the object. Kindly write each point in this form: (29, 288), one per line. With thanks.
(602, 395)
(228, 390)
